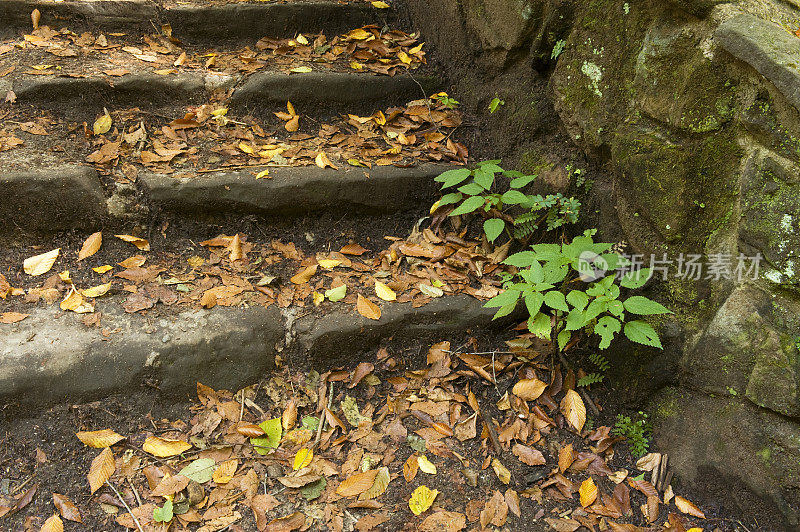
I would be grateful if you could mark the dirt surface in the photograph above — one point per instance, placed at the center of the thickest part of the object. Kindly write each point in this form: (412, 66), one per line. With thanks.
(44, 451)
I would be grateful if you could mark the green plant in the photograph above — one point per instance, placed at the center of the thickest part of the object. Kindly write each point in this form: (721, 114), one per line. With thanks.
(495, 103)
(602, 365)
(558, 48)
(164, 513)
(446, 100)
(637, 432)
(550, 281)
(477, 189)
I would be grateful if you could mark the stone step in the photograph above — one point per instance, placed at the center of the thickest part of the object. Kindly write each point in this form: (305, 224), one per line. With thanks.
(195, 21)
(53, 357)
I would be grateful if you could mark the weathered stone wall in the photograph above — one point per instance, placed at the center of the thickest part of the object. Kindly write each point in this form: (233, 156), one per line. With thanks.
(689, 112)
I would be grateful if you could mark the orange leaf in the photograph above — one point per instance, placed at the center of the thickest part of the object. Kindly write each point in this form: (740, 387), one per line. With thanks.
(357, 483)
(66, 508)
(588, 492)
(53, 524)
(12, 317)
(140, 243)
(529, 389)
(99, 438)
(304, 275)
(574, 410)
(367, 308)
(91, 245)
(687, 507)
(251, 430)
(293, 124)
(101, 469)
(565, 458)
(225, 472)
(410, 468)
(353, 249)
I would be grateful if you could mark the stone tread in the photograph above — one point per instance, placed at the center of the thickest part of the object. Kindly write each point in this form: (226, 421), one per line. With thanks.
(52, 357)
(202, 22)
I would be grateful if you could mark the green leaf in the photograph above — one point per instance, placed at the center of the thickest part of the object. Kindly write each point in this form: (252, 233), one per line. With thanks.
(351, 411)
(493, 227)
(595, 308)
(635, 279)
(554, 273)
(642, 305)
(519, 182)
(533, 302)
(642, 333)
(540, 325)
(470, 204)
(453, 197)
(555, 299)
(534, 274)
(616, 308)
(484, 177)
(336, 294)
(495, 103)
(606, 327)
(471, 189)
(314, 490)
(577, 299)
(505, 310)
(163, 514)
(452, 177)
(575, 320)
(417, 443)
(563, 338)
(272, 437)
(514, 197)
(310, 422)
(201, 470)
(502, 299)
(523, 259)
(490, 166)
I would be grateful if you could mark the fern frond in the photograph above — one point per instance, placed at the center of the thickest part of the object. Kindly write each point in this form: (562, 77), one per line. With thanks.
(600, 361)
(591, 378)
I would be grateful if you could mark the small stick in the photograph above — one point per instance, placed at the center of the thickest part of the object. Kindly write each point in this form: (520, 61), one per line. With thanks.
(663, 473)
(239, 167)
(135, 493)
(655, 474)
(323, 418)
(23, 484)
(125, 504)
(490, 428)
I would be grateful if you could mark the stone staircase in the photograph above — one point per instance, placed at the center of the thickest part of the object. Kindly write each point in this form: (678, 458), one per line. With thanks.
(173, 122)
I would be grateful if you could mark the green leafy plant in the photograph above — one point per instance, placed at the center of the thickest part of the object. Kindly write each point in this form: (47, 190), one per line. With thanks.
(446, 100)
(556, 284)
(636, 431)
(558, 48)
(596, 377)
(495, 104)
(478, 190)
(164, 513)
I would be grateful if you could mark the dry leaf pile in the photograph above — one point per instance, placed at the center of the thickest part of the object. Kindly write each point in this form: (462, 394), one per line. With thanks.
(375, 448)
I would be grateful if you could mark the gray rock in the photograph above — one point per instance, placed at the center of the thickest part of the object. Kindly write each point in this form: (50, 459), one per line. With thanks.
(51, 356)
(330, 89)
(50, 199)
(297, 190)
(766, 47)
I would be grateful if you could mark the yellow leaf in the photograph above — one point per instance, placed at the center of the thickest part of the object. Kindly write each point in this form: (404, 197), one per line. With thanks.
(41, 67)
(140, 243)
(235, 248)
(219, 112)
(501, 471)
(384, 292)
(367, 308)
(322, 161)
(292, 124)
(425, 465)
(302, 459)
(404, 57)
(574, 410)
(302, 39)
(195, 262)
(76, 303)
(378, 486)
(102, 125)
(565, 457)
(163, 447)
(290, 108)
(64, 276)
(380, 5)
(588, 492)
(357, 483)
(529, 389)
(304, 275)
(99, 438)
(40, 264)
(329, 264)
(54, 522)
(299, 436)
(103, 269)
(91, 245)
(97, 291)
(421, 499)
(695, 529)
(687, 507)
(246, 148)
(359, 34)
(416, 49)
(356, 162)
(101, 469)
(225, 472)
(301, 70)
(317, 298)
(262, 174)
(435, 206)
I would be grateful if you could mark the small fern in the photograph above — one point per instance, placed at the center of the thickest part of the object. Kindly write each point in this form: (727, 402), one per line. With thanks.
(637, 433)
(591, 378)
(600, 361)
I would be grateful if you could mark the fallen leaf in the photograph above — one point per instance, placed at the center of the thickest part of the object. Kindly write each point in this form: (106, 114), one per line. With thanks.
(200, 470)
(285, 524)
(379, 485)
(425, 465)
(353, 249)
(103, 269)
(97, 291)
(225, 472)
(529, 389)
(102, 125)
(687, 507)
(12, 317)
(588, 492)
(501, 471)
(302, 458)
(164, 448)
(53, 524)
(574, 410)
(410, 468)
(565, 458)
(304, 275)
(528, 455)
(140, 243)
(357, 483)
(99, 438)
(76, 303)
(40, 264)
(384, 292)
(66, 508)
(251, 430)
(367, 308)
(421, 499)
(322, 161)
(91, 245)
(443, 520)
(101, 469)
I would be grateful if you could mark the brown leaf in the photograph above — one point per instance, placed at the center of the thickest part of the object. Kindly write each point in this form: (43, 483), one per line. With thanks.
(251, 430)
(367, 308)
(357, 483)
(353, 249)
(687, 507)
(293, 124)
(563, 524)
(495, 511)
(235, 248)
(444, 521)
(410, 468)
(304, 275)
(529, 389)
(289, 416)
(12, 317)
(140, 243)
(91, 245)
(574, 410)
(565, 458)
(53, 524)
(101, 469)
(361, 371)
(528, 455)
(136, 302)
(512, 500)
(287, 523)
(170, 486)
(66, 508)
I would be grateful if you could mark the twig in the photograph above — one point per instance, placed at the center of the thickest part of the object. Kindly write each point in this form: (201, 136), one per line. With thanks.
(135, 493)
(490, 428)
(125, 504)
(479, 352)
(323, 418)
(23, 484)
(236, 167)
